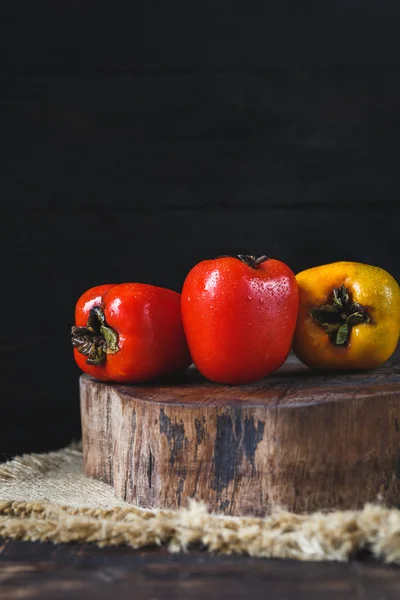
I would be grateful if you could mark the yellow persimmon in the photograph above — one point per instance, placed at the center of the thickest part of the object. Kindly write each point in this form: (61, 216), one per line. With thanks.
(349, 316)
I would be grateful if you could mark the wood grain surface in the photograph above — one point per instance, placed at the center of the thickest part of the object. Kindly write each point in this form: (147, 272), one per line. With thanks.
(196, 140)
(298, 440)
(159, 36)
(70, 572)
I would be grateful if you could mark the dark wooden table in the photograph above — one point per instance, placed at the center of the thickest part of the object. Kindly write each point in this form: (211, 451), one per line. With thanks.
(45, 571)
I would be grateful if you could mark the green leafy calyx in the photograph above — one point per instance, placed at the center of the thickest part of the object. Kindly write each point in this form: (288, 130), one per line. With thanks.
(338, 317)
(96, 340)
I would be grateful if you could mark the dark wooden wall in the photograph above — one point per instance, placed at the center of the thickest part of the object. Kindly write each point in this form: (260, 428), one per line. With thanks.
(132, 146)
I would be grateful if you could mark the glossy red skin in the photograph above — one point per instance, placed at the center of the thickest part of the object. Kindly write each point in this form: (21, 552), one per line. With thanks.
(239, 321)
(148, 322)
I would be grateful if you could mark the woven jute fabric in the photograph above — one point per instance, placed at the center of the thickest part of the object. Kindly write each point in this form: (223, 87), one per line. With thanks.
(47, 497)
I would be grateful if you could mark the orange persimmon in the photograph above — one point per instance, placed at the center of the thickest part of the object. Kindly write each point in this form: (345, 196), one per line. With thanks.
(349, 316)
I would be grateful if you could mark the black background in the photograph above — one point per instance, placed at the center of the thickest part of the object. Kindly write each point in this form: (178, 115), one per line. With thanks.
(133, 146)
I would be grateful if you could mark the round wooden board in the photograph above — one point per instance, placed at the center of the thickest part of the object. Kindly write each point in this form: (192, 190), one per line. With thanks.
(297, 440)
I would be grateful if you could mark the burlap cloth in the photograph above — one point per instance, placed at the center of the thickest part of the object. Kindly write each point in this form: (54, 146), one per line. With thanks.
(46, 497)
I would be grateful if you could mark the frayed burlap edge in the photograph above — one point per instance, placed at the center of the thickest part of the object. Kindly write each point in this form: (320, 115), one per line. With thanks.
(31, 465)
(335, 536)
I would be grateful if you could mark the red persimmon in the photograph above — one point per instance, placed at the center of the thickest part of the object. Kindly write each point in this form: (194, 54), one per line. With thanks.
(130, 332)
(239, 316)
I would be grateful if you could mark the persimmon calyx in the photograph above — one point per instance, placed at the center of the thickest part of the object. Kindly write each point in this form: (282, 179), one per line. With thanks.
(338, 318)
(252, 261)
(96, 340)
